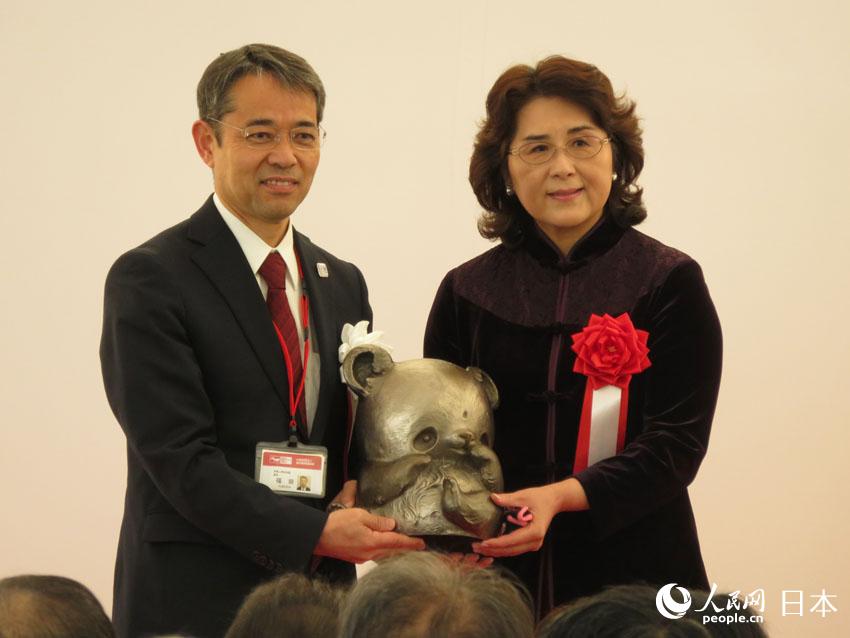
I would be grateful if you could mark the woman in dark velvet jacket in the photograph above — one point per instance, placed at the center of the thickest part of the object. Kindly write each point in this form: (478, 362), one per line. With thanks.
(554, 166)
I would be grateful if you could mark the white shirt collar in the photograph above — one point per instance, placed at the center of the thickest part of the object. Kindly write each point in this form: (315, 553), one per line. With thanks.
(256, 250)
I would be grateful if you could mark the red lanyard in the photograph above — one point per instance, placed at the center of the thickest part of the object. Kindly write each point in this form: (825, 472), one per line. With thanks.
(296, 397)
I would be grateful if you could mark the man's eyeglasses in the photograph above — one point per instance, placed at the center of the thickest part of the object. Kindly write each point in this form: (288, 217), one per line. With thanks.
(581, 147)
(305, 138)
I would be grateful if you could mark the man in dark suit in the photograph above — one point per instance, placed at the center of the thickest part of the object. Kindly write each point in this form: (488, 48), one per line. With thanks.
(194, 369)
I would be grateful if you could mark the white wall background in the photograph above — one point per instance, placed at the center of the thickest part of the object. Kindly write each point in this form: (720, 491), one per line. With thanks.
(748, 170)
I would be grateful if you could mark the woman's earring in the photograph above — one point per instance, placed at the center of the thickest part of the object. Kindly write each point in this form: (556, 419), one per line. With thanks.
(614, 176)
(508, 190)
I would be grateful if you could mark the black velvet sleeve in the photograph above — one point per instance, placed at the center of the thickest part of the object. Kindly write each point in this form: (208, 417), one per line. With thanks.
(681, 392)
(442, 336)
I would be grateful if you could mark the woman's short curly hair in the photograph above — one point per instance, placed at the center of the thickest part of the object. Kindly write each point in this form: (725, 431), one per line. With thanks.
(580, 83)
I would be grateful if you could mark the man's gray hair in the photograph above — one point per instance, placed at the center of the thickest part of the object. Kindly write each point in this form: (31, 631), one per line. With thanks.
(291, 605)
(35, 606)
(421, 594)
(291, 70)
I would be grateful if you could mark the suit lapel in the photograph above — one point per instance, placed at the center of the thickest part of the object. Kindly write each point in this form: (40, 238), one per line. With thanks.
(326, 341)
(222, 260)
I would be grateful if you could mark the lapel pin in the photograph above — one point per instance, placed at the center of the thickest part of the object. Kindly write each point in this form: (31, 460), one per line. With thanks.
(322, 269)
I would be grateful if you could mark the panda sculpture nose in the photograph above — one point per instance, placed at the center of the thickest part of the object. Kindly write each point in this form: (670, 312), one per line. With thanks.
(465, 438)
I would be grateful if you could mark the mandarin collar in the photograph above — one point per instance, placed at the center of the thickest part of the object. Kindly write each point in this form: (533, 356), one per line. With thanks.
(599, 239)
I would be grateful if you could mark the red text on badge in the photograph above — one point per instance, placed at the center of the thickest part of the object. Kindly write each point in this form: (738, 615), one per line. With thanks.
(299, 461)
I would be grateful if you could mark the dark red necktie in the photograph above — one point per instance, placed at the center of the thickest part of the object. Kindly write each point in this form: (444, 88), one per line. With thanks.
(273, 271)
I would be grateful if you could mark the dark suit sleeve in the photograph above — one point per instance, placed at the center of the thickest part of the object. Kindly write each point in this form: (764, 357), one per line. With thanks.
(353, 463)
(365, 308)
(155, 387)
(681, 392)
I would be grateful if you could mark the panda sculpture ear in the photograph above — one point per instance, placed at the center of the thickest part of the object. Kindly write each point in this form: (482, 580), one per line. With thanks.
(363, 366)
(489, 387)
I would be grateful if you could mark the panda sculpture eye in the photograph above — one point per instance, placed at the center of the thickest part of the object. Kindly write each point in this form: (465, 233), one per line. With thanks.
(425, 440)
(485, 439)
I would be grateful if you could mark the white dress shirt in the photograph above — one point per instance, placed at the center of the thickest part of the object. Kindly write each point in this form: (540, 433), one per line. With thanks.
(256, 250)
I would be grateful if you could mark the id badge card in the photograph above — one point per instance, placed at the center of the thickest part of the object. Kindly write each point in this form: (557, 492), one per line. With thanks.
(298, 470)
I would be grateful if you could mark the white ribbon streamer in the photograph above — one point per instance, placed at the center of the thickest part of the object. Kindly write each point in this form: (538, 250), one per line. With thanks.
(604, 423)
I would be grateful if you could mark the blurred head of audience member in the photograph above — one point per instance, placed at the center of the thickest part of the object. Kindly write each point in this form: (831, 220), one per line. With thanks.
(292, 605)
(422, 594)
(630, 611)
(50, 607)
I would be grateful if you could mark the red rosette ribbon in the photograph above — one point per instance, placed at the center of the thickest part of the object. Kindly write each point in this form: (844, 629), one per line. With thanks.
(609, 350)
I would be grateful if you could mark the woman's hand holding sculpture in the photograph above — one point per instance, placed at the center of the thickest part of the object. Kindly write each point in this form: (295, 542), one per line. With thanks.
(544, 503)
